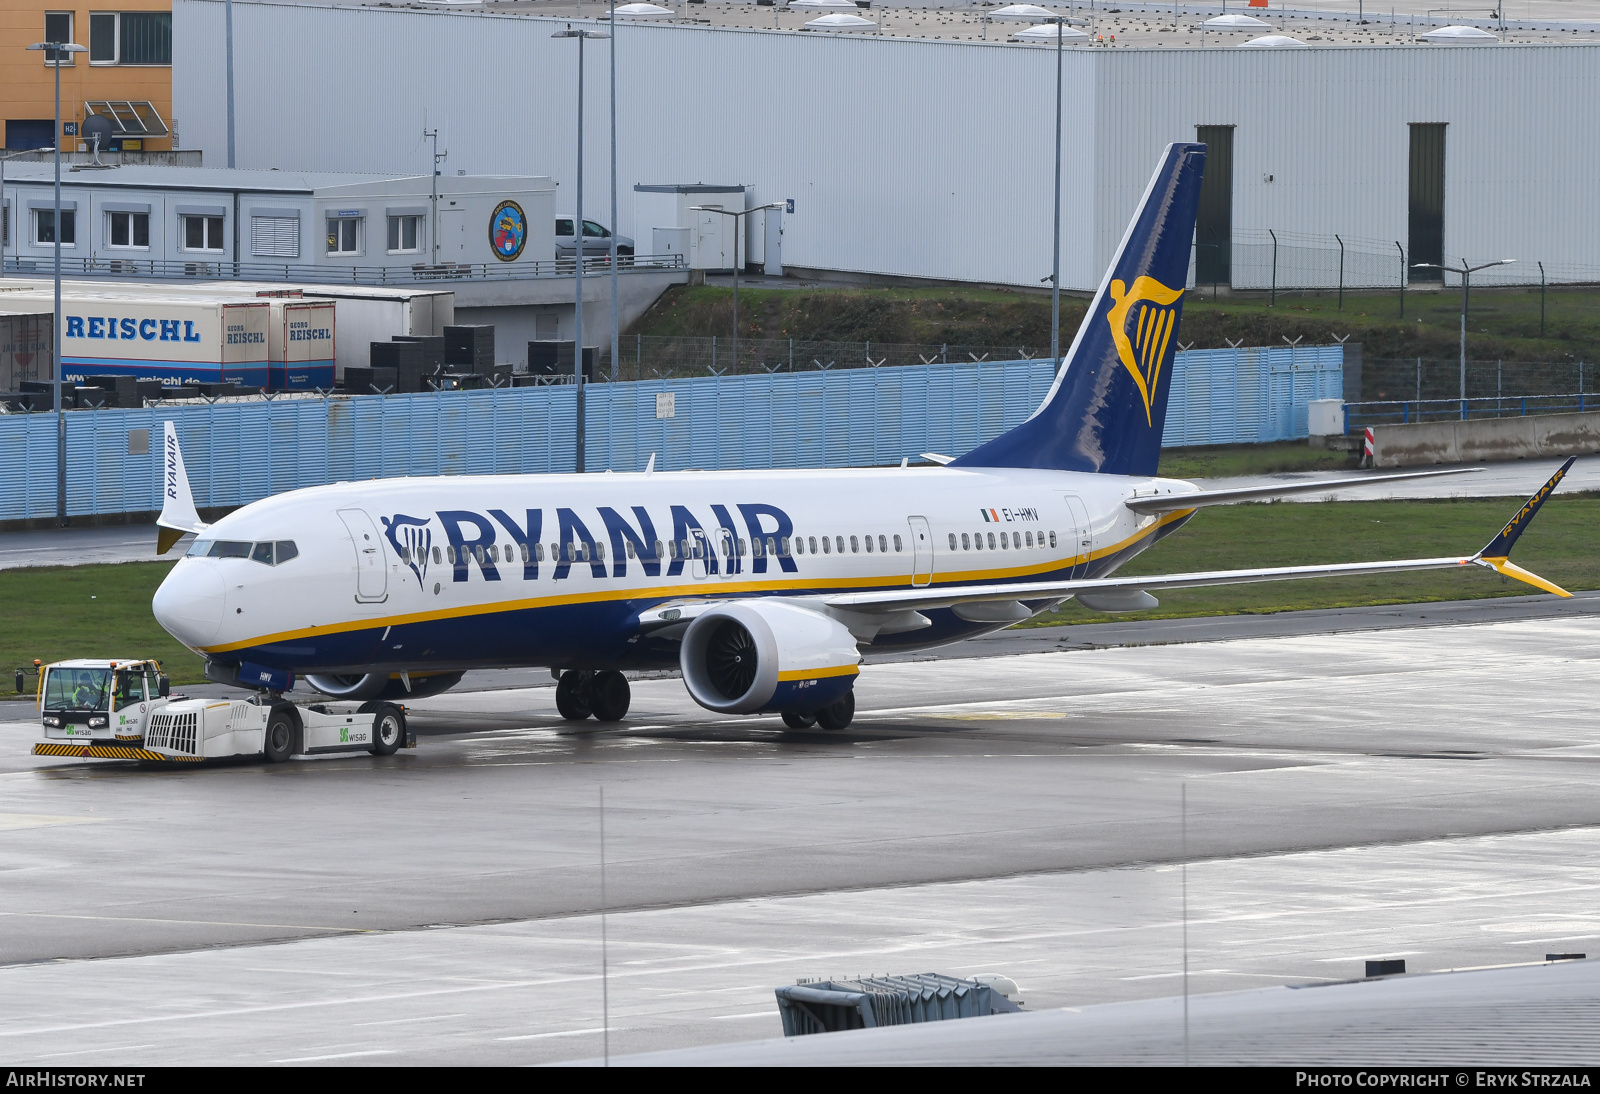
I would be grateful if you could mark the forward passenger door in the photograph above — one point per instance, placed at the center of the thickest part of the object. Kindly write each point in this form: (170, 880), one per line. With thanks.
(372, 578)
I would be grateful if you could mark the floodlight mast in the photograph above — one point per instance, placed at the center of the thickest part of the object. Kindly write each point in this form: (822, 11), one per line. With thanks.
(737, 215)
(1466, 273)
(577, 253)
(53, 52)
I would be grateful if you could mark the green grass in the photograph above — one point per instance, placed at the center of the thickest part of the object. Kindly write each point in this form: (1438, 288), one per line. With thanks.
(54, 613)
(104, 611)
(1224, 460)
(1559, 546)
(1503, 323)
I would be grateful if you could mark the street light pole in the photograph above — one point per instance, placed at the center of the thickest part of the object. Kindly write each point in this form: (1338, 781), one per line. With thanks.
(616, 336)
(1055, 261)
(53, 52)
(1466, 273)
(737, 215)
(228, 17)
(577, 253)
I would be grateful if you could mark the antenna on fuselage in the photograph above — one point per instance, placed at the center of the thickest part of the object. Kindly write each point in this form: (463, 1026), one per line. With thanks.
(649, 468)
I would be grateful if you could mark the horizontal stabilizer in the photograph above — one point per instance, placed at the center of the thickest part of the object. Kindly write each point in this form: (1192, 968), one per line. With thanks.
(1170, 503)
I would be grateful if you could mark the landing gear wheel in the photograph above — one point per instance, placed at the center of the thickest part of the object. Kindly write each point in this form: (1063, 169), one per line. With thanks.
(609, 696)
(388, 730)
(572, 696)
(839, 714)
(278, 745)
(795, 720)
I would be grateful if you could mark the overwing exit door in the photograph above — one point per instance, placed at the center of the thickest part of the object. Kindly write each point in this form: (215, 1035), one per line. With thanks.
(372, 578)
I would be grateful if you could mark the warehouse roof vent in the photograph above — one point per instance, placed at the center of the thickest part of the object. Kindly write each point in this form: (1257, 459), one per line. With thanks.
(1273, 41)
(1463, 35)
(1234, 22)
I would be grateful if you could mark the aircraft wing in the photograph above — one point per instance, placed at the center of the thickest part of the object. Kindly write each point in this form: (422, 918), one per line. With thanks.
(1495, 556)
(1169, 503)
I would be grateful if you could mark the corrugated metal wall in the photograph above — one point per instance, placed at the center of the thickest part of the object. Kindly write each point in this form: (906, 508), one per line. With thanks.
(914, 157)
(240, 452)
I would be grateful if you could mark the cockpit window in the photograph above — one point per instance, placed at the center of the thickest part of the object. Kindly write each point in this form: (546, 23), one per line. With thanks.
(268, 552)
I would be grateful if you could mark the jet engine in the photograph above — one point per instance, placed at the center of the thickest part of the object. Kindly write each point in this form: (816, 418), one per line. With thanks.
(383, 685)
(767, 655)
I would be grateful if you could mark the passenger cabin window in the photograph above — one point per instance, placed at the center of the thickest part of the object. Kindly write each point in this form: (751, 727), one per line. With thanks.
(952, 541)
(897, 544)
(838, 541)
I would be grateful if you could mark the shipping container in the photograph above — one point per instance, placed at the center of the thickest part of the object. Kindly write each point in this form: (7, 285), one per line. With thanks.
(176, 340)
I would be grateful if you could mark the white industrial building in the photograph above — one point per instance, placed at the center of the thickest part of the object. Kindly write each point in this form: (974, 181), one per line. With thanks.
(140, 219)
(922, 158)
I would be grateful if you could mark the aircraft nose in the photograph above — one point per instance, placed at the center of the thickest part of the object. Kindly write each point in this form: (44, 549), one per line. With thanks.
(189, 603)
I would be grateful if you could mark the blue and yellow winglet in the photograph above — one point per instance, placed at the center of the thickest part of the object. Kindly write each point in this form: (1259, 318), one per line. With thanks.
(1495, 554)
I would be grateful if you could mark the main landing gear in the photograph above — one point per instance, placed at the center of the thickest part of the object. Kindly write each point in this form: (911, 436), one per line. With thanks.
(581, 693)
(835, 716)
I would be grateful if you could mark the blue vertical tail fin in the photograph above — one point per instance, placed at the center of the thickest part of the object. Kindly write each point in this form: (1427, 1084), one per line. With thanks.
(1108, 405)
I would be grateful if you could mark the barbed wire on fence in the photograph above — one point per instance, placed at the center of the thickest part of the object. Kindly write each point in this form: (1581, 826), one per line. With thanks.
(663, 357)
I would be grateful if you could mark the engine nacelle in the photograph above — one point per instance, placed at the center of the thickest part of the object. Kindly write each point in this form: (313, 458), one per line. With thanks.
(766, 655)
(383, 685)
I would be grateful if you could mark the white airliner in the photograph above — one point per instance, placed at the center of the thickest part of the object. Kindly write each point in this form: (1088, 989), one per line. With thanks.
(763, 586)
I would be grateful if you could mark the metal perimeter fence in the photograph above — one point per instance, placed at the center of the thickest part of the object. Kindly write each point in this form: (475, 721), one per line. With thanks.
(667, 357)
(1417, 389)
(1266, 259)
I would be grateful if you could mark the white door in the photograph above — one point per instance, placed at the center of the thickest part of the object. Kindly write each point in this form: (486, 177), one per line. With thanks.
(922, 551)
(453, 235)
(1078, 534)
(710, 244)
(372, 579)
(700, 549)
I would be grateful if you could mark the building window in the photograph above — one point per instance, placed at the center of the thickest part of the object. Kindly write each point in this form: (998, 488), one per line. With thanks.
(344, 235)
(404, 235)
(201, 233)
(44, 227)
(57, 28)
(275, 237)
(130, 230)
(130, 38)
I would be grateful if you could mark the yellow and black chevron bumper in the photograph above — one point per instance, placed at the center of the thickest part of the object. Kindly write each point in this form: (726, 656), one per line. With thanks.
(105, 752)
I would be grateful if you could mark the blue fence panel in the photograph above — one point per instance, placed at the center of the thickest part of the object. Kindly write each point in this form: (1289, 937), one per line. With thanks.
(239, 452)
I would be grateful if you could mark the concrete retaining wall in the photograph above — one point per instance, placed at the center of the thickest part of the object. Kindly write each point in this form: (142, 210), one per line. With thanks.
(1485, 439)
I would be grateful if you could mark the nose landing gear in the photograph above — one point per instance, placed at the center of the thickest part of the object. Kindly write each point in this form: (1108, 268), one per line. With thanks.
(581, 693)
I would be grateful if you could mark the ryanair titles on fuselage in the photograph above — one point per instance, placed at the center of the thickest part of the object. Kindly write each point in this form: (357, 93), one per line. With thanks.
(757, 536)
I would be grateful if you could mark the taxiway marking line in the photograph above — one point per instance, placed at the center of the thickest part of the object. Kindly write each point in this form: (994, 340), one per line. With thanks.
(336, 1056)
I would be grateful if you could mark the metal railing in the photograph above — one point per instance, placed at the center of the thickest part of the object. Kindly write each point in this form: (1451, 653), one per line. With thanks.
(419, 273)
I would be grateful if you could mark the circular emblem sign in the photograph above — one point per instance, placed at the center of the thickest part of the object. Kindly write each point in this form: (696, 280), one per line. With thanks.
(508, 231)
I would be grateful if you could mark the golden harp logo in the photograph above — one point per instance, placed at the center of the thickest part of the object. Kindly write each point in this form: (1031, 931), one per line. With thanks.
(1148, 312)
